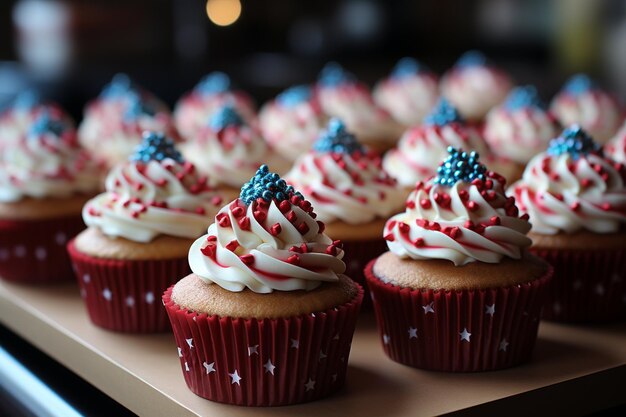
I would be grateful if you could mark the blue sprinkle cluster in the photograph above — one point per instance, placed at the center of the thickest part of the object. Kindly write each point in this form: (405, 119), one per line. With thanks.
(120, 86)
(333, 75)
(213, 83)
(336, 139)
(224, 117)
(574, 141)
(443, 114)
(26, 100)
(45, 124)
(579, 84)
(459, 166)
(156, 147)
(407, 67)
(138, 107)
(520, 97)
(471, 59)
(294, 96)
(268, 186)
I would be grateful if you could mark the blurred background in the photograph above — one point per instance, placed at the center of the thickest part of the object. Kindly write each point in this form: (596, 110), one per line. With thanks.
(70, 48)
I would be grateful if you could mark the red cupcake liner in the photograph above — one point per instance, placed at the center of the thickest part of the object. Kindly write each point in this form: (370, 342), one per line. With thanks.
(280, 361)
(357, 255)
(458, 331)
(588, 285)
(33, 251)
(124, 295)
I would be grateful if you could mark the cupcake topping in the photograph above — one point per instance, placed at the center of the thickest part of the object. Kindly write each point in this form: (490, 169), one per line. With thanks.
(138, 107)
(407, 67)
(471, 59)
(334, 75)
(294, 96)
(573, 187)
(523, 97)
(579, 84)
(156, 192)
(214, 83)
(461, 215)
(266, 240)
(344, 180)
(120, 87)
(443, 114)
(226, 116)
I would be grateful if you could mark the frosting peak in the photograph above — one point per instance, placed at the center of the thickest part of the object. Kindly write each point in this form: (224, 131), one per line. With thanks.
(225, 116)
(267, 186)
(575, 142)
(460, 166)
(471, 58)
(579, 84)
(333, 75)
(521, 97)
(406, 67)
(337, 139)
(443, 114)
(294, 96)
(27, 100)
(213, 83)
(156, 147)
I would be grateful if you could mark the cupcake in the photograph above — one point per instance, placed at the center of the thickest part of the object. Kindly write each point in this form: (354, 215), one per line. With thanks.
(520, 128)
(576, 199)
(267, 316)
(292, 122)
(139, 232)
(342, 96)
(415, 158)
(114, 123)
(583, 102)
(230, 150)
(409, 93)
(352, 193)
(474, 86)
(457, 290)
(616, 147)
(213, 92)
(45, 178)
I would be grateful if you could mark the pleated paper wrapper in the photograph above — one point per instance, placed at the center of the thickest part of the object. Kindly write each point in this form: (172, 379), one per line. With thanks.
(458, 331)
(588, 285)
(264, 362)
(125, 295)
(357, 255)
(33, 251)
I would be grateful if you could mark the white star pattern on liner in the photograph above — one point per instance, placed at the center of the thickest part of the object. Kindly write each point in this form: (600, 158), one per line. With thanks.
(209, 367)
(20, 251)
(41, 253)
(189, 342)
(253, 349)
(60, 238)
(269, 367)
(599, 289)
(322, 355)
(503, 345)
(333, 378)
(130, 301)
(295, 343)
(4, 254)
(310, 385)
(412, 333)
(149, 297)
(578, 284)
(186, 367)
(465, 335)
(86, 278)
(235, 378)
(428, 308)
(180, 352)
(490, 309)
(106, 293)
(386, 339)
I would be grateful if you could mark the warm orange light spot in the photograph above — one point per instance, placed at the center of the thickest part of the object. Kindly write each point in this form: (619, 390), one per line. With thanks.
(223, 12)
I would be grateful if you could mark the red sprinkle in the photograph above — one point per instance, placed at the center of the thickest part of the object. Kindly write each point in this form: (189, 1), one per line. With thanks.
(472, 206)
(211, 238)
(294, 259)
(419, 242)
(291, 216)
(410, 204)
(494, 221)
(338, 243)
(303, 228)
(208, 250)
(259, 215)
(244, 223)
(331, 250)
(295, 249)
(232, 245)
(390, 237)
(237, 211)
(247, 259)
(304, 248)
(425, 203)
(223, 220)
(575, 206)
(404, 228)
(276, 229)
(284, 206)
(321, 226)
(200, 210)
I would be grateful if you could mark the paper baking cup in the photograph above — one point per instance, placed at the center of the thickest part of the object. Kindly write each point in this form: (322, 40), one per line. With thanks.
(267, 362)
(588, 285)
(357, 255)
(33, 251)
(124, 295)
(458, 331)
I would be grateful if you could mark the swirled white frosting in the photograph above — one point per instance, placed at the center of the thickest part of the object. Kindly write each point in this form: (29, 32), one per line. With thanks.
(353, 104)
(595, 110)
(194, 110)
(463, 223)
(409, 98)
(45, 165)
(420, 150)
(474, 90)
(616, 147)
(143, 201)
(291, 130)
(519, 134)
(563, 194)
(351, 188)
(16, 122)
(266, 252)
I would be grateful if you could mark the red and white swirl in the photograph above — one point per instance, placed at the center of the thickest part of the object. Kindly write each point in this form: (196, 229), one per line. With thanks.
(409, 98)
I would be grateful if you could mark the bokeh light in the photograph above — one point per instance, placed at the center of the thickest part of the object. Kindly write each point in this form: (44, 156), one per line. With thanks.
(223, 12)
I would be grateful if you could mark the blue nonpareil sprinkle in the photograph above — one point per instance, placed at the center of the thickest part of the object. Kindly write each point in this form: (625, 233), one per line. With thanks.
(156, 146)
(520, 97)
(120, 86)
(213, 83)
(575, 142)
(294, 96)
(443, 114)
(45, 124)
(579, 84)
(138, 107)
(333, 75)
(471, 58)
(224, 117)
(336, 139)
(268, 186)
(407, 67)
(459, 166)
(26, 100)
